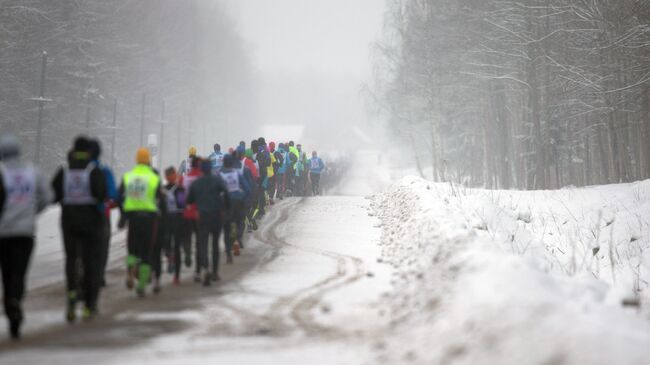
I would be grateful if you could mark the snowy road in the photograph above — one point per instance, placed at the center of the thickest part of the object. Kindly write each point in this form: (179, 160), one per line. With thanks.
(307, 286)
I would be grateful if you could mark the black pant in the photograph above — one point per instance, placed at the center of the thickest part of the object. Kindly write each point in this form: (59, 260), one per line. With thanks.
(272, 186)
(191, 227)
(173, 236)
(142, 236)
(83, 244)
(105, 248)
(251, 203)
(261, 198)
(315, 184)
(234, 225)
(209, 227)
(14, 259)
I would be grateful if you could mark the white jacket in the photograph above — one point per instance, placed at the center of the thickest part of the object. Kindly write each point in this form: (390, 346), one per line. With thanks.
(19, 220)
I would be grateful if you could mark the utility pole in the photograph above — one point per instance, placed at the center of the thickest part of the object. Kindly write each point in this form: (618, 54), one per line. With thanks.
(41, 100)
(162, 134)
(178, 137)
(142, 117)
(114, 132)
(87, 118)
(191, 130)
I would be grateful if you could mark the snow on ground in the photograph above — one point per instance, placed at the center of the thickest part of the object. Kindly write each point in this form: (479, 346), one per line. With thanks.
(423, 273)
(307, 289)
(466, 292)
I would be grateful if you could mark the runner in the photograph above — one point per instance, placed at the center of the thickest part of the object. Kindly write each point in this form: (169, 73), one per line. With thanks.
(79, 188)
(301, 172)
(291, 170)
(282, 157)
(210, 195)
(239, 163)
(263, 162)
(140, 195)
(216, 159)
(186, 164)
(191, 216)
(270, 172)
(24, 193)
(251, 209)
(277, 162)
(174, 226)
(104, 207)
(238, 192)
(316, 167)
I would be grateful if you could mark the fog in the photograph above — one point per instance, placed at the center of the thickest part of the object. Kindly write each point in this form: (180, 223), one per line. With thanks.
(311, 59)
(484, 93)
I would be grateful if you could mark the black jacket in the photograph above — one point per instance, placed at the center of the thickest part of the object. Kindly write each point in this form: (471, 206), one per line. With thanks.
(81, 217)
(210, 195)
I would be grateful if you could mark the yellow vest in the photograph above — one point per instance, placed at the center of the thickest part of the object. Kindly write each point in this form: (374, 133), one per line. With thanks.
(140, 185)
(269, 169)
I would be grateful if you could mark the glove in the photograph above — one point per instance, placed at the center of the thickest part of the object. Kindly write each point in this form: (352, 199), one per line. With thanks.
(121, 224)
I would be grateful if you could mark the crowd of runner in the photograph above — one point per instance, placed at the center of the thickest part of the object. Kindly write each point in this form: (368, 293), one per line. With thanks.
(173, 218)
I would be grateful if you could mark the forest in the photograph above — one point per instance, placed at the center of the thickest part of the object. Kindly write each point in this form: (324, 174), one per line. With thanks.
(527, 94)
(116, 70)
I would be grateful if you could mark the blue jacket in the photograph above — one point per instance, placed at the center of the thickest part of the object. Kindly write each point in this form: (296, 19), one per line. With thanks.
(248, 176)
(216, 161)
(244, 185)
(283, 167)
(316, 166)
(111, 188)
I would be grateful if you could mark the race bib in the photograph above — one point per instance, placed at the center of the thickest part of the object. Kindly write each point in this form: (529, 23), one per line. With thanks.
(19, 186)
(136, 189)
(232, 181)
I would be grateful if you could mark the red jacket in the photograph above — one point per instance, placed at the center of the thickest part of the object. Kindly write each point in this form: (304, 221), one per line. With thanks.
(186, 181)
(251, 166)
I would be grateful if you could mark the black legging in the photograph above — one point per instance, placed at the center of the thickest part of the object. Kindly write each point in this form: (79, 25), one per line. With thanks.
(235, 222)
(105, 241)
(315, 184)
(173, 238)
(209, 228)
(14, 259)
(142, 236)
(84, 244)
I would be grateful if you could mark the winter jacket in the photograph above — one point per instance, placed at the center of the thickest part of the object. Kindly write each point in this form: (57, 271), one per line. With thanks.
(284, 161)
(80, 216)
(263, 161)
(21, 199)
(186, 182)
(246, 172)
(236, 183)
(175, 197)
(111, 190)
(210, 195)
(250, 165)
(316, 165)
(216, 161)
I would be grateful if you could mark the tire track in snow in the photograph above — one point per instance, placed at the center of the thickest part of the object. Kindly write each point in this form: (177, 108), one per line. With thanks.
(299, 306)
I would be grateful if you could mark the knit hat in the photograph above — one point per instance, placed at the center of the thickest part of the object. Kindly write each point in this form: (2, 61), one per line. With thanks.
(227, 161)
(249, 153)
(192, 151)
(9, 147)
(143, 156)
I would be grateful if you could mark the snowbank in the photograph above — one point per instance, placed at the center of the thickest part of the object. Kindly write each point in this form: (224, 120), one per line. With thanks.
(466, 295)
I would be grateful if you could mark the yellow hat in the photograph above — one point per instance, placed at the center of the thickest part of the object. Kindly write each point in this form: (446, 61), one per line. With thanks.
(192, 151)
(143, 156)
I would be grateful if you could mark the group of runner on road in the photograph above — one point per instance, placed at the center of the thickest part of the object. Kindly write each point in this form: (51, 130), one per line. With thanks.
(176, 216)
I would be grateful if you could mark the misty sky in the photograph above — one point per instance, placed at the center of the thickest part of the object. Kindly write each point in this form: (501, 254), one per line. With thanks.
(312, 56)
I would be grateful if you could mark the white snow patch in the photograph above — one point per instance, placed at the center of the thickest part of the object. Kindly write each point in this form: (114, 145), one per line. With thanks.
(467, 294)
